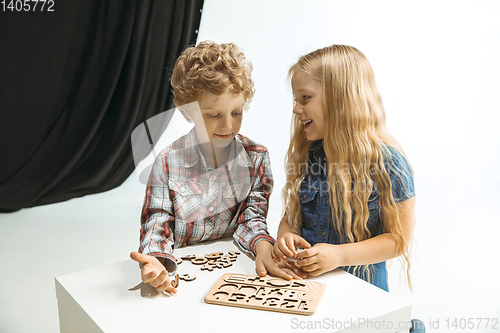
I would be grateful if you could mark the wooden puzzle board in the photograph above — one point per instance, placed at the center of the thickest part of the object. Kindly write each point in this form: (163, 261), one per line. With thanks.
(266, 293)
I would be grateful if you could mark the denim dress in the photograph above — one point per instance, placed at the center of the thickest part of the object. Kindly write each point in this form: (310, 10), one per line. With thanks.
(317, 226)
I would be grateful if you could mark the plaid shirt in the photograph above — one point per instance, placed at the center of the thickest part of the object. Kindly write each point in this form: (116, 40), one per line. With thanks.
(188, 202)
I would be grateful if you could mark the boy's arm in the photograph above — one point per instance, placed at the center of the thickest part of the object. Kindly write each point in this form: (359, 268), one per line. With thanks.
(157, 237)
(252, 226)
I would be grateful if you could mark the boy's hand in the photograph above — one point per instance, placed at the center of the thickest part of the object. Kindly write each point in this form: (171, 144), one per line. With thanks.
(153, 272)
(319, 259)
(285, 246)
(264, 263)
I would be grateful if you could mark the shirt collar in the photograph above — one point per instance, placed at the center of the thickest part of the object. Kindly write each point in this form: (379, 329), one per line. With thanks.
(316, 149)
(316, 145)
(317, 155)
(239, 153)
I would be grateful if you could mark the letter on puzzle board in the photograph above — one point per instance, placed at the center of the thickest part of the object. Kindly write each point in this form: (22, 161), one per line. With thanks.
(266, 293)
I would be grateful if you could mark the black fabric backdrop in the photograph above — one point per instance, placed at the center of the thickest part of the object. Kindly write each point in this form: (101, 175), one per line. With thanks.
(74, 83)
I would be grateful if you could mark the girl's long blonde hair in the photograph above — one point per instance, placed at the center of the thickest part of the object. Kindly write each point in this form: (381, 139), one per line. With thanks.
(355, 144)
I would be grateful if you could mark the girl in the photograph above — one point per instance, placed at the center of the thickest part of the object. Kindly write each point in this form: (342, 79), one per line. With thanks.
(349, 194)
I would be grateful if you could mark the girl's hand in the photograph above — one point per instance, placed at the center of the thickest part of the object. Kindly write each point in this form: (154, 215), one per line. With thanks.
(285, 246)
(319, 259)
(153, 272)
(264, 264)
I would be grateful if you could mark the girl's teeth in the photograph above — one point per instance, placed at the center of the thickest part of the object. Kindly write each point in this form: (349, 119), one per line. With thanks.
(307, 122)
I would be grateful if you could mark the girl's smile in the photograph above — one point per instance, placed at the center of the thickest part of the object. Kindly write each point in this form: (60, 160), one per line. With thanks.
(308, 107)
(306, 123)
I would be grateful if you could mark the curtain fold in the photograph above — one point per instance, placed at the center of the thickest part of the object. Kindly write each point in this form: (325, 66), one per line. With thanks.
(74, 83)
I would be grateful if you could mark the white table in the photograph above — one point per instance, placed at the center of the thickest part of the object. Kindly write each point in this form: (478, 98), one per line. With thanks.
(113, 299)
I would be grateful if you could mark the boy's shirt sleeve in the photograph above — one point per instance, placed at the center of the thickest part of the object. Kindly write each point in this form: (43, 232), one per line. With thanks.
(251, 225)
(157, 217)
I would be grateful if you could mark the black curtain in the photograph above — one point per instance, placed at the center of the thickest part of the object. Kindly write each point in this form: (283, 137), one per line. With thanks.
(74, 83)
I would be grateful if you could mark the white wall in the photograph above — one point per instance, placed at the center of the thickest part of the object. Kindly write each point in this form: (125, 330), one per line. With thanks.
(437, 67)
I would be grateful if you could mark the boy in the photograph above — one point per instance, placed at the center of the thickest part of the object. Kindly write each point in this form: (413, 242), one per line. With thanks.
(212, 182)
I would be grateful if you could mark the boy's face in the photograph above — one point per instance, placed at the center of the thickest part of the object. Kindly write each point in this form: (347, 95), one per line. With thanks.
(220, 118)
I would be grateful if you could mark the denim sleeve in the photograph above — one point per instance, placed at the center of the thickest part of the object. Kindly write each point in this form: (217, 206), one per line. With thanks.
(401, 177)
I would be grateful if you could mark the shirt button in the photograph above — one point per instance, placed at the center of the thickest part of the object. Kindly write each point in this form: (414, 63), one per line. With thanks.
(211, 209)
(323, 233)
(326, 202)
(213, 178)
(304, 197)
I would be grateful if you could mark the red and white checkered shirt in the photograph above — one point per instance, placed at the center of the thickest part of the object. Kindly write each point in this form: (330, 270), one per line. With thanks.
(188, 201)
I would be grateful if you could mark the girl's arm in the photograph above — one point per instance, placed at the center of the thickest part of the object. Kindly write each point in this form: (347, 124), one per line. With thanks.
(382, 247)
(323, 257)
(284, 227)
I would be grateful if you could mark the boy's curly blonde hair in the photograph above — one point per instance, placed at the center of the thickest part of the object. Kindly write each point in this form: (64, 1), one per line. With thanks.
(211, 67)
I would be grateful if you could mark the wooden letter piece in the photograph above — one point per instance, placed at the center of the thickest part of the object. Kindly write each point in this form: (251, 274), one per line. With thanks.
(213, 256)
(234, 253)
(187, 277)
(219, 265)
(188, 257)
(227, 258)
(207, 267)
(299, 249)
(199, 261)
(175, 281)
